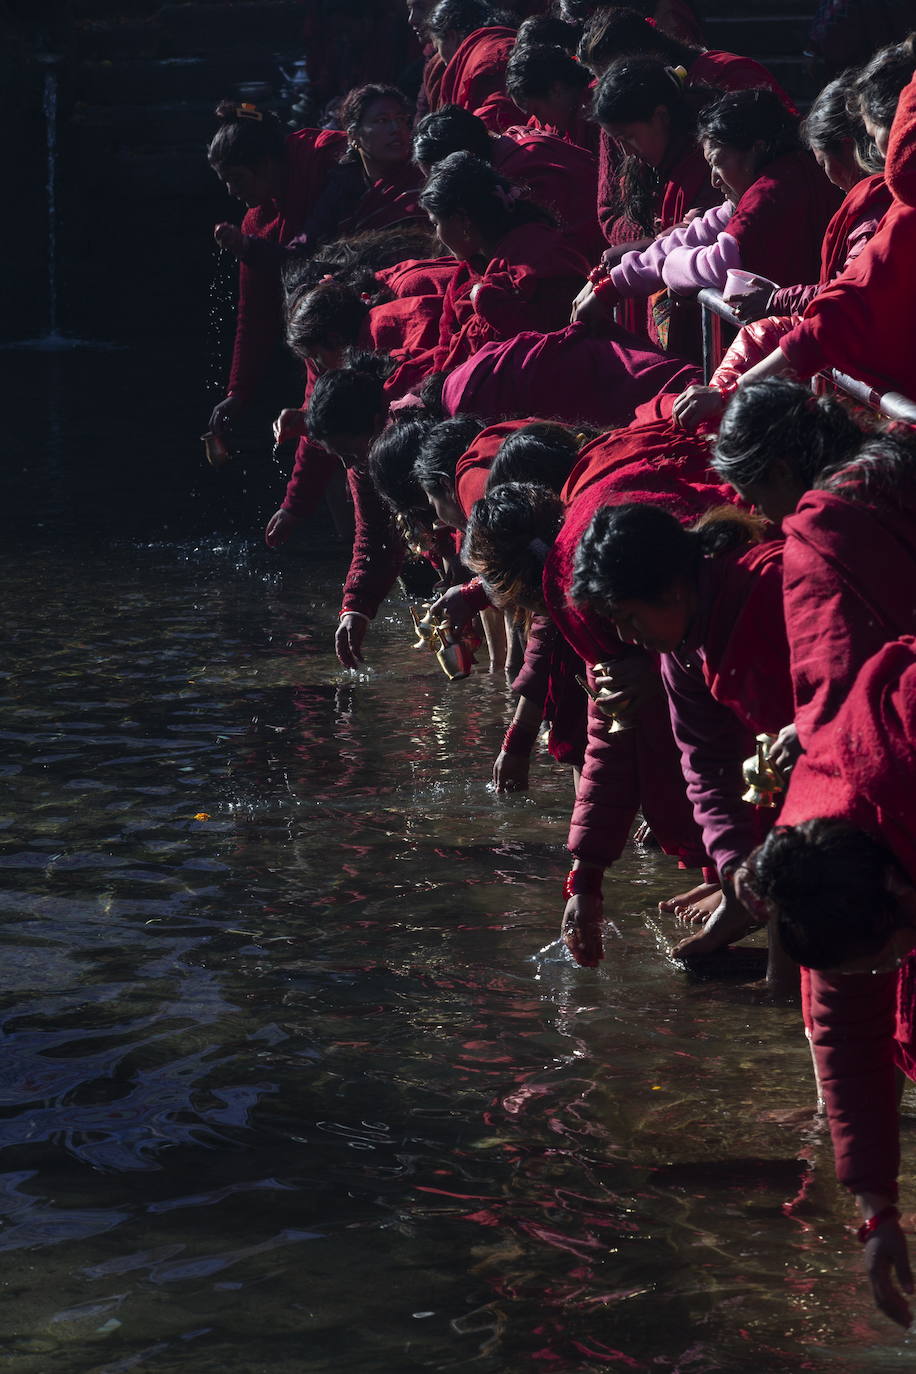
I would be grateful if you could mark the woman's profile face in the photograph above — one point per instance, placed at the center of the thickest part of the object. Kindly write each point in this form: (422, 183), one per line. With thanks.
(253, 186)
(659, 626)
(732, 170)
(646, 139)
(456, 233)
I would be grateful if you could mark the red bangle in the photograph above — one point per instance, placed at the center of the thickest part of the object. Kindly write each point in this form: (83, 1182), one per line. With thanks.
(519, 740)
(583, 882)
(868, 1228)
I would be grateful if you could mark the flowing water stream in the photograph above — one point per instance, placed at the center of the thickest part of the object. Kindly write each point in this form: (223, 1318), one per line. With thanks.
(286, 1085)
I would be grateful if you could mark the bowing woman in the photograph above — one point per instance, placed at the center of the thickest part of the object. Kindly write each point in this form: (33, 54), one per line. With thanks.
(709, 601)
(516, 272)
(474, 41)
(302, 190)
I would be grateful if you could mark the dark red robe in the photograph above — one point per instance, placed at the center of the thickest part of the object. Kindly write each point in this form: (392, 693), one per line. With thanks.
(567, 375)
(560, 176)
(475, 78)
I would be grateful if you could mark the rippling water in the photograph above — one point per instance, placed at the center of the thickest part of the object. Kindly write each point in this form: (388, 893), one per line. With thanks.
(286, 1085)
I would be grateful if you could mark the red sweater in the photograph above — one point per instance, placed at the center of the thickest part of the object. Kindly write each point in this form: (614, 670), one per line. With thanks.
(855, 222)
(560, 175)
(528, 284)
(475, 78)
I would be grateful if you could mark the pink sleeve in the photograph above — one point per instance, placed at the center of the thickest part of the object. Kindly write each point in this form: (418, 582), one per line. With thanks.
(692, 269)
(639, 274)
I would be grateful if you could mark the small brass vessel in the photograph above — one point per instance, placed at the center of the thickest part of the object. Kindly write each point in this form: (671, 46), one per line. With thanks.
(419, 538)
(454, 652)
(600, 698)
(765, 784)
(216, 451)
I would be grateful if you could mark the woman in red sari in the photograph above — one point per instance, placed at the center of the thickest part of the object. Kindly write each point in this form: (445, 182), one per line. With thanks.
(554, 90)
(839, 875)
(303, 190)
(517, 271)
(474, 40)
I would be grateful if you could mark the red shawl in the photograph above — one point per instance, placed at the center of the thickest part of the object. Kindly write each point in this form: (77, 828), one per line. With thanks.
(780, 221)
(419, 276)
(581, 131)
(388, 201)
(853, 225)
(530, 284)
(474, 466)
(850, 585)
(560, 176)
(729, 72)
(475, 78)
(568, 375)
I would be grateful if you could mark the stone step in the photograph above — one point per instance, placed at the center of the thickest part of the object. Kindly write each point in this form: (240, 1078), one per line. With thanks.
(103, 40)
(149, 126)
(780, 33)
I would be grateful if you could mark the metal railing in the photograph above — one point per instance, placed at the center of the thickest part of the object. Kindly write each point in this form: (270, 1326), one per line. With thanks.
(889, 403)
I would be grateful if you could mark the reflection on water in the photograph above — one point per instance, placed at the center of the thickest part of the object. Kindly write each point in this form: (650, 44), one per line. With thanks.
(286, 1083)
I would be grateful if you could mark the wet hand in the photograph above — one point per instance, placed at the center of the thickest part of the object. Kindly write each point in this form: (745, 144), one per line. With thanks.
(224, 415)
(453, 606)
(696, 404)
(230, 238)
(279, 528)
(785, 750)
(581, 930)
(885, 1255)
(348, 641)
(751, 305)
(510, 772)
(289, 424)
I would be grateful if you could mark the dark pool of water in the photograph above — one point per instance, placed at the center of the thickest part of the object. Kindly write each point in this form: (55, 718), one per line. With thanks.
(286, 1085)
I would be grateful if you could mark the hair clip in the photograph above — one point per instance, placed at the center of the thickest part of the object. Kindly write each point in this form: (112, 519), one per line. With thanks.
(247, 111)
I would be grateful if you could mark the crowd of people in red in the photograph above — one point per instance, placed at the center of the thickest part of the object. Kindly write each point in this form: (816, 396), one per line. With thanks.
(493, 294)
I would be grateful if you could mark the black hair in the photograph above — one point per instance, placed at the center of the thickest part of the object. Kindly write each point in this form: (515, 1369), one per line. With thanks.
(827, 883)
(532, 70)
(429, 394)
(461, 183)
(834, 123)
(630, 91)
(878, 85)
(549, 29)
(354, 261)
(577, 11)
(615, 31)
(450, 129)
(509, 533)
(881, 470)
(542, 453)
(739, 119)
(246, 137)
(357, 103)
(465, 16)
(440, 450)
(638, 552)
(348, 400)
(329, 316)
(391, 461)
(778, 419)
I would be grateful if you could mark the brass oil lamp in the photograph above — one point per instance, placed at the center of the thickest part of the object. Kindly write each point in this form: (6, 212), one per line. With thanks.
(765, 784)
(601, 698)
(454, 652)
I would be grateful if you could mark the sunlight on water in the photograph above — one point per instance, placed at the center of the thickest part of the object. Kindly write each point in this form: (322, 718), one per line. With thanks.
(297, 1075)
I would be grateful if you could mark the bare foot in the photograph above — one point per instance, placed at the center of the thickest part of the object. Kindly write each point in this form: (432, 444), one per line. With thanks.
(689, 899)
(727, 923)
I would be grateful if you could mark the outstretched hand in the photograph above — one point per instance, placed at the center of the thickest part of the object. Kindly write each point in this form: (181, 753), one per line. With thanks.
(348, 642)
(231, 239)
(581, 929)
(453, 607)
(886, 1255)
(696, 404)
(279, 528)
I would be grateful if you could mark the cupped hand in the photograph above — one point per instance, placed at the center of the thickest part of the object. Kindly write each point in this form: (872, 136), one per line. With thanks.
(696, 404)
(230, 238)
(348, 641)
(627, 684)
(511, 772)
(224, 415)
(453, 607)
(886, 1255)
(581, 929)
(751, 305)
(289, 424)
(279, 528)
